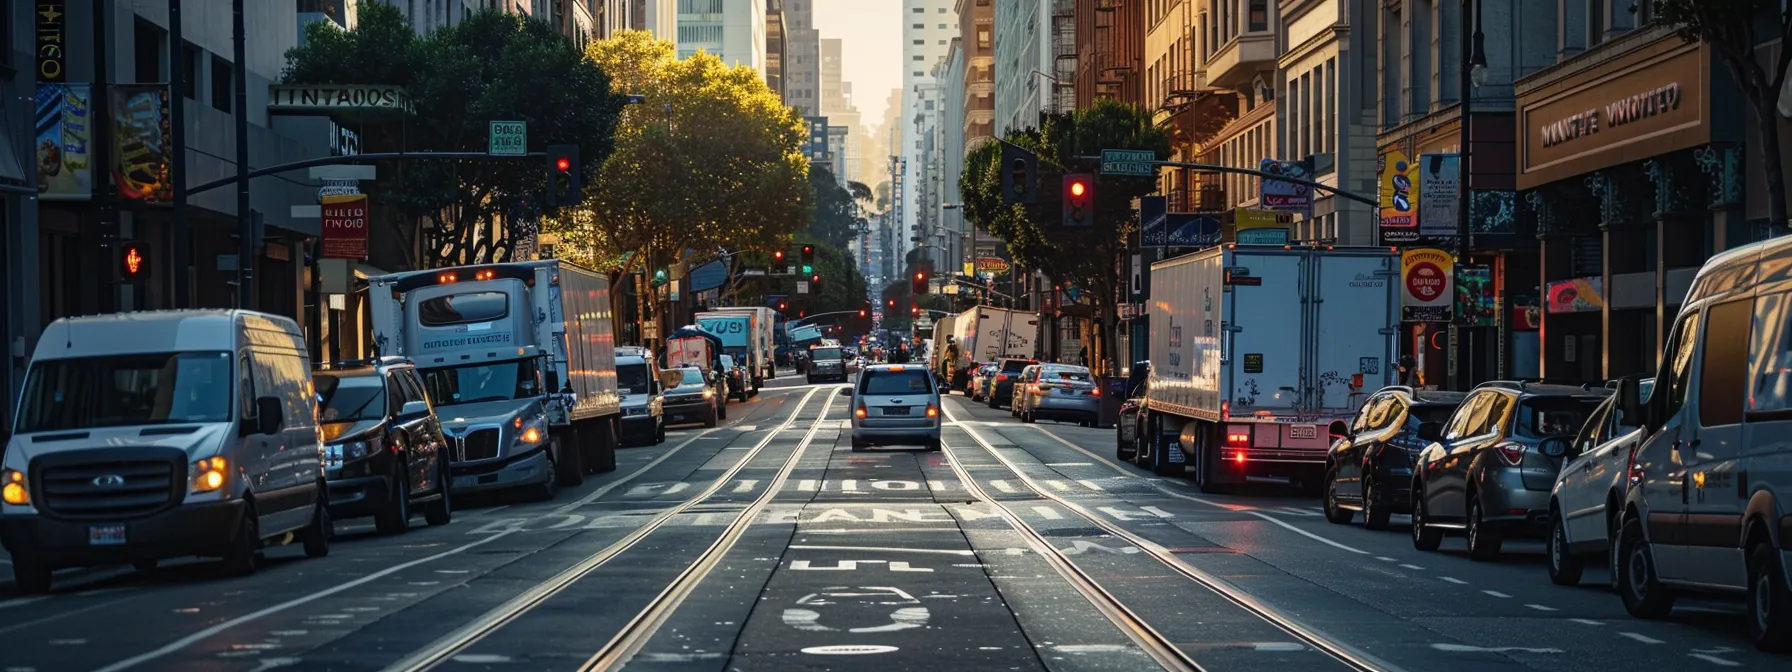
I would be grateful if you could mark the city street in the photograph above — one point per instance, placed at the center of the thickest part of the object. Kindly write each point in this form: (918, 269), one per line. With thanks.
(766, 543)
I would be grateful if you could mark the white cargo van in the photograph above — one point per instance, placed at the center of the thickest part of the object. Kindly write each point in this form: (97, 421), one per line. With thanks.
(1710, 505)
(152, 435)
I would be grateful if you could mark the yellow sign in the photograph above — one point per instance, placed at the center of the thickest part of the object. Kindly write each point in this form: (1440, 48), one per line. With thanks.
(1246, 219)
(1399, 196)
(995, 265)
(970, 268)
(1426, 280)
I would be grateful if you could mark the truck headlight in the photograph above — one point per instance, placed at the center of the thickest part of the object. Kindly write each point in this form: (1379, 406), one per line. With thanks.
(14, 491)
(209, 474)
(709, 393)
(534, 432)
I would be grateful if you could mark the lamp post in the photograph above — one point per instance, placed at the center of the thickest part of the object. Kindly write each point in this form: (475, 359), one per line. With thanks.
(1473, 75)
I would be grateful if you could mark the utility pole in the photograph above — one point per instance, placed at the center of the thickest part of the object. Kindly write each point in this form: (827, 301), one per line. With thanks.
(100, 135)
(245, 221)
(177, 158)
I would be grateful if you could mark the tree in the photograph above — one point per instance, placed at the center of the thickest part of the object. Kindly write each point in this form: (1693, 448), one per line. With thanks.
(843, 287)
(494, 66)
(1735, 30)
(1088, 258)
(709, 162)
(835, 219)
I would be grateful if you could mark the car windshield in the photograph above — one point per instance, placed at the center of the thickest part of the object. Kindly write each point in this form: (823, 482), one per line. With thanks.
(691, 377)
(820, 354)
(891, 381)
(123, 390)
(474, 383)
(348, 398)
(1016, 365)
(631, 378)
(1557, 416)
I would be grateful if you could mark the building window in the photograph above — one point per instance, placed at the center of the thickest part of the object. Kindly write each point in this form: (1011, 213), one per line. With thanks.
(920, 10)
(920, 26)
(222, 78)
(150, 48)
(920, 41)
(190, 81)
(1259, 16)
(918, 73)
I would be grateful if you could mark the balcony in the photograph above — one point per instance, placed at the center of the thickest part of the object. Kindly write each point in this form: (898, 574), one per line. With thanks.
(1240, 60)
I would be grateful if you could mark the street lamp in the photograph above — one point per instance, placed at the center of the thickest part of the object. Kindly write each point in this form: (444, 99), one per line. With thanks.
(1473, 75)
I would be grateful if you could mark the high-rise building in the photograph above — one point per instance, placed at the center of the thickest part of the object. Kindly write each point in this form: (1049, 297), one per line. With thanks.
(927, 29)
(802, 58)
(733, 30)
(777, 39)
(1023, 55)
(836, 105)
(659, 17)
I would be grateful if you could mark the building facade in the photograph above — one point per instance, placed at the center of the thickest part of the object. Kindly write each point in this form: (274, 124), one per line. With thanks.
(1023, 56)
(733, 30)
(777, 40)
(927, 29)
(659, 17)
(802, 55)
(1327, 111)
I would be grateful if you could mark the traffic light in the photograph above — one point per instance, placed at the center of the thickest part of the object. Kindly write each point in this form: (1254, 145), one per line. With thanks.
(783, 306)
(864, 313)
(814, 283)
(563, 176)
(914, 310)
(1020, 175)
(918, 285)
(808, 257)
(133, 262)
(778, 257)
(892, 304)
(1079, 200)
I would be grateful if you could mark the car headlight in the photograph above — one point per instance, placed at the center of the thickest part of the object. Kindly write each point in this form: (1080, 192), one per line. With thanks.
(534, 432)
(709, 393)
(14, 491)
(209, 474)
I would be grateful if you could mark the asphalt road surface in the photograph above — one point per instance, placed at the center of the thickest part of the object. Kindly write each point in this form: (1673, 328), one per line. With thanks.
(767, 544)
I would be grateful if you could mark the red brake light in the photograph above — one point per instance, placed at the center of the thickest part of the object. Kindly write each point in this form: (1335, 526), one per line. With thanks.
(933, 411)
(1238, 437)
(1096, 391)
(1511, 453)
(860, 411)
(1634, 472)
(1238, 457)
(1001, 376)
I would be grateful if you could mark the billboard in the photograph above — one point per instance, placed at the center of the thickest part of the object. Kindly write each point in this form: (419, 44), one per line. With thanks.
(1475, 306)
(1425, 279)
(1440, 189)
(344, 226)
(140, 142)
(1287, 196)
(64, 131)
(1580, 295)
(1399, 199)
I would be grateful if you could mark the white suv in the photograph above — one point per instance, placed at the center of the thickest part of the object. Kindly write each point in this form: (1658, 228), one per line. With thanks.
(895, 403)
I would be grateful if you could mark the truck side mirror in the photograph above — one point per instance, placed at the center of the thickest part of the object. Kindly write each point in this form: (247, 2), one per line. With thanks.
(414, 409)
(269, 415)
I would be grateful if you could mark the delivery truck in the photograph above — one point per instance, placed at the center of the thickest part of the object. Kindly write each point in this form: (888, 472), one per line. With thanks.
(518, 359)
(1260, 355)
(762, 340)
(988, 334)
(742, 338)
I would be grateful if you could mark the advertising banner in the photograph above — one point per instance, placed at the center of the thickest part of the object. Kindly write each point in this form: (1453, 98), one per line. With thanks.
(1399, 200)
(1425, 278)
(1259, 227)
(1580, 295)
(1474, 296)
(344, 226)
(64, 129)
(992, 265)
(1191, 230)
(1440, 189)
(140, 142)
(1288, 196)
(1152, 214)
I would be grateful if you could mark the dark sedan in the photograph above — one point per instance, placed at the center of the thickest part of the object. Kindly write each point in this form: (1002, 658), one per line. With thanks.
(1370, 467)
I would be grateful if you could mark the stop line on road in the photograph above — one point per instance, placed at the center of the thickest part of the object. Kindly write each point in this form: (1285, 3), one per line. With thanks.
(861, 486)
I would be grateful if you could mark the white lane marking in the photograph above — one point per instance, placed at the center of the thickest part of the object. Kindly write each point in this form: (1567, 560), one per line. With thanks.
(594, 494)
(1092, 486)
(1294, 511)
(196, 637)
(848, 485)
(1278, 646)
(1454, 580)
(678, 487)
(1716, 660)
(1003, 485)
(1048, 513)
(1468, 648)
(1092, 648)
(805, 485)
(1540, 607)
(878, 530)
(1299, 531)
(1641, 638)
(1496, 593)
(481, 658)
(1384, 558)
(1586, 621)
(883, 549)
(271, 663)
(1415, 568)
(1070, 464)
(746, 485)
(936, 486)
(1156, 512)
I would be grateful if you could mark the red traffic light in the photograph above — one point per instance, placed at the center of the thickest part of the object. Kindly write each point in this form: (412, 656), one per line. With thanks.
(783, 306)
(563, 164)
(921, 276)
(862, 313)
(1076, 188)
(778, 255)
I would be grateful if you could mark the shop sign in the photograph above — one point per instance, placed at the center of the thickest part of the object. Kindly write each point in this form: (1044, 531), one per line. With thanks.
(1425, 285)
(1646, 102)
(992, 265)
(1399, 199)
(1584, 124)
(1580, 295)
(344, 226)
(1527, 318)
(1281, 195)
(296, 98)
(1191, 230)
(1260, 227)
(64, 129)
(1475, 303)
(52, 45)
(140, 127)
(1440, 189)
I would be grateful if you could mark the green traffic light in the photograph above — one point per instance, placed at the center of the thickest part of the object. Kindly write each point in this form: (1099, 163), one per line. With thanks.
(808, 269)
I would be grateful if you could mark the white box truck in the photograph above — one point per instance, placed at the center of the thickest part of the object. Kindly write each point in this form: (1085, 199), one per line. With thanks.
(763, 340)
(998, 333)
(519, 361)
(1259, 355)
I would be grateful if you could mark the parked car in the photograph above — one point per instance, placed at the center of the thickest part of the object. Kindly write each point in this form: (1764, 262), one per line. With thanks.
(978, 385)
(384, 453)
(643, 396)
(1489, 470)
(1061, 392)
(691, 398)
(191, 411)
(1129, 428)
(739, 379)
(1589, 493)
(1370, 466)
(1709, 510)
(896, 404)
(1001, 388)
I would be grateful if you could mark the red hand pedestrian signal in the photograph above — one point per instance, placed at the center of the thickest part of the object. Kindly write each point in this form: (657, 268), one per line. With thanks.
(133, 262)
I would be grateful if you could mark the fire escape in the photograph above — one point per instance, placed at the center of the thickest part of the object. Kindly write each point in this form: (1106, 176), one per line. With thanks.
(1110, 79)
(1063, 55)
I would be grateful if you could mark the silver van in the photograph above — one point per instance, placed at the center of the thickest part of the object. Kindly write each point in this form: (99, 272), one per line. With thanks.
(1710, 505)
(153, 435)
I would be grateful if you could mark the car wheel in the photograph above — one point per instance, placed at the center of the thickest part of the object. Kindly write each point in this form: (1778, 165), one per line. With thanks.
(245, 548)
(395, 518)
(857, 445)
(659, 432)
(1338, 515)
(441, 511)
(1769, 600)
(1564, 567)
(1483, 542)
(29, 576)
(1375, 514)
(1424, 537)
(1123, 449)
(549, 488)
(317, 536)
(1643, 594)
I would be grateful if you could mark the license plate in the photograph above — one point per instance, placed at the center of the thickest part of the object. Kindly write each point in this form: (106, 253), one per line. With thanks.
(1303, 432)
(105, 535)
(896, 410)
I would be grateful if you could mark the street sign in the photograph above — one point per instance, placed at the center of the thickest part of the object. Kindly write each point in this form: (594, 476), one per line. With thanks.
(509, 138)
(802, 286)
(1135, 162)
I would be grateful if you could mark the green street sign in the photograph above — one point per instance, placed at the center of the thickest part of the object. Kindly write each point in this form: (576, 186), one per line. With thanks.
(1134, 162)
(509, 138)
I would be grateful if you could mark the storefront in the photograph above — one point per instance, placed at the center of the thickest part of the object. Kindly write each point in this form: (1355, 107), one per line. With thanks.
(1629, 170)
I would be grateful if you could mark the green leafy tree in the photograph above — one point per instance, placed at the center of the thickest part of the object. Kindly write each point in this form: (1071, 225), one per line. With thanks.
(835, 219)
(1736, 30)
(843, 287)
(493, 66)
(1088, 258)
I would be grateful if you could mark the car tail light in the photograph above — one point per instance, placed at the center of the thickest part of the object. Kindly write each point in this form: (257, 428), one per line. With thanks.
(859, 412)
(1001, 377)
(1635, 473)
(1225, 410)
(933, 411)
(1238, 457)
(1096, 391)
(1510, 453)
(1238, 437)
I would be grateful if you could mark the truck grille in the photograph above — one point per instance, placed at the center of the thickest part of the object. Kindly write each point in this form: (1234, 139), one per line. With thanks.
(109, 489)
(479, 444)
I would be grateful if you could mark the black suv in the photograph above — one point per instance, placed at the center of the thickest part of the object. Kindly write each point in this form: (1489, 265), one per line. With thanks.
(1369, 468)
(383, 447)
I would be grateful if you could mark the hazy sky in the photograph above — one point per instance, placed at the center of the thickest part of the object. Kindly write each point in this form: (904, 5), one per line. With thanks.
(871, 31)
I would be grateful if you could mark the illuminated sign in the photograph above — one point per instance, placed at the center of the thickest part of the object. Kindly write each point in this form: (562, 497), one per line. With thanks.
(133, 261)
